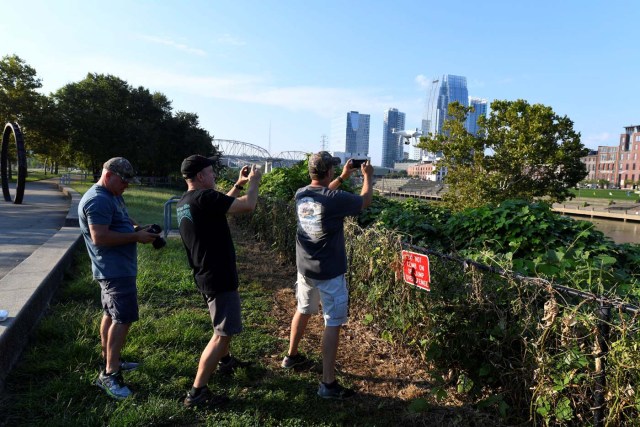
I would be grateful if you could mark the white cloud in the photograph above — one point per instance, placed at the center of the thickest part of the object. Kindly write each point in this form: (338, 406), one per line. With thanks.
(230, 40)
(324, 102)
(603, 138)
(174, 44)
(422, 81)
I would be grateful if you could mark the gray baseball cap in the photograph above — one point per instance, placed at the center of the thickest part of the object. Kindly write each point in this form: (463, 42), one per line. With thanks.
(121, 167)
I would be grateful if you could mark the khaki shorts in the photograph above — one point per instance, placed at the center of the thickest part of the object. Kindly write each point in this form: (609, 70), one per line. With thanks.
(333, 294)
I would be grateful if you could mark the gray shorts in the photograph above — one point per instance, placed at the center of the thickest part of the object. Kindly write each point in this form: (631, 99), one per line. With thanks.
(333, 293)
(119, 299)
(224, 308)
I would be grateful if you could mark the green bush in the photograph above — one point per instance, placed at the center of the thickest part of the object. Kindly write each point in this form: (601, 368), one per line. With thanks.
(521, 348)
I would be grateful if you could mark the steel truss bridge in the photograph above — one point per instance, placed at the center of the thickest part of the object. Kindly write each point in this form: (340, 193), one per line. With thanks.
(236, 154)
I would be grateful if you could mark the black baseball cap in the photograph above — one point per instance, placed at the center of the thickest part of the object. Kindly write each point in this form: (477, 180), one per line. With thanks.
(194, 164)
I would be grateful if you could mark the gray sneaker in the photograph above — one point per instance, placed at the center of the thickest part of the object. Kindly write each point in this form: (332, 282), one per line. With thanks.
(128, 366)
(335, 392)
(290, 361)
(113, 385)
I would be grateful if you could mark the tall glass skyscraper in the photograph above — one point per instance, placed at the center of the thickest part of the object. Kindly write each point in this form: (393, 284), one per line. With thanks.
(392, 144)
(452, 88)
(480, 109)
(350, 133)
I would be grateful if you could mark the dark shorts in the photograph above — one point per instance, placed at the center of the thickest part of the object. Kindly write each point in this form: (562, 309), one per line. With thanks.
(224, 308)
(120, 299)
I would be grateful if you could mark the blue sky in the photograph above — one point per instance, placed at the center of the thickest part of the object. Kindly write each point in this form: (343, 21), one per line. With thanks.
(274, 73)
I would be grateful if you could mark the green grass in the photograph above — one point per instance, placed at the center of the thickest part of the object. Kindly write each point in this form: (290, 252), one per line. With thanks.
(606, 194)
(145, 204)
(53, 383)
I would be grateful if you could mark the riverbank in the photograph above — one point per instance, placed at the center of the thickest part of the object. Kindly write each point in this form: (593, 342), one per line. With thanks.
(599, 208)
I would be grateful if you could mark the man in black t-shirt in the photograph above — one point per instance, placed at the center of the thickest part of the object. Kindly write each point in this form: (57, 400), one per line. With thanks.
(207, 240)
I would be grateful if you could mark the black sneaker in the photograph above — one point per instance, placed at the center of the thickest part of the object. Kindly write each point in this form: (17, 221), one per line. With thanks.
(205, 398)
(334, 392)
(290, 361)
(231, 365)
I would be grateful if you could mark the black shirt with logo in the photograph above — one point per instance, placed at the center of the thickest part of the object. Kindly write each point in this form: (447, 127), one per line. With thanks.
(207, 239)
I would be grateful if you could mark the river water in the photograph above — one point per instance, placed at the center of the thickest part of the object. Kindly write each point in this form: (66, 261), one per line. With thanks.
(618, 231)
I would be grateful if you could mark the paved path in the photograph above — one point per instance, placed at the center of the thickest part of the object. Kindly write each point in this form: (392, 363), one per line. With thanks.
(25, 227)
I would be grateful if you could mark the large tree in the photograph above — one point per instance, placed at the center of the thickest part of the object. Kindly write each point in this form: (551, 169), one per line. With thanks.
(105, 117)
(522, 151)
(47, 136)
(18, 84)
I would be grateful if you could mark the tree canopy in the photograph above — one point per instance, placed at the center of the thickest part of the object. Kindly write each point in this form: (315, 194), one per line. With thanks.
(18, 84)
(522, 151)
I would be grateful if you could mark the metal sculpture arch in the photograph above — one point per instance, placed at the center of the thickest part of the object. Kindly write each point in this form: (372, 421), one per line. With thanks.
(4, 162)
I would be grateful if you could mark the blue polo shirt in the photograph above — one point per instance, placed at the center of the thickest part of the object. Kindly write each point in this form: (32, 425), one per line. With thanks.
(99, 206)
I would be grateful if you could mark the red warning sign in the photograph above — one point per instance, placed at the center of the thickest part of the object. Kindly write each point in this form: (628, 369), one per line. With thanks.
(415, 269)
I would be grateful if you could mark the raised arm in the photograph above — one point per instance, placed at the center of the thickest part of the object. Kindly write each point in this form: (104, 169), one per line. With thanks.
(367, 185)
(246, 203)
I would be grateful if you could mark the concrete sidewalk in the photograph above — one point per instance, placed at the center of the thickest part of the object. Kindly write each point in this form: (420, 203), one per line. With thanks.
(37, 241)
(25, 227)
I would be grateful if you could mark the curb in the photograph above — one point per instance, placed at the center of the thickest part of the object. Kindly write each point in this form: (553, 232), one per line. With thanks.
(27, 289)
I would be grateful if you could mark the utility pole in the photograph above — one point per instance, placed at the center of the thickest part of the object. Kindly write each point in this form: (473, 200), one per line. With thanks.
(323, 140)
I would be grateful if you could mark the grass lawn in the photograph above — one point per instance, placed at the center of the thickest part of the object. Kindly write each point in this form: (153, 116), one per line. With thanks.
(53, 383)
(606, 194)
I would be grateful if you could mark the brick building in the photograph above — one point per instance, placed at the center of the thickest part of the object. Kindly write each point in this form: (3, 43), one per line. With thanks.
(619, 165)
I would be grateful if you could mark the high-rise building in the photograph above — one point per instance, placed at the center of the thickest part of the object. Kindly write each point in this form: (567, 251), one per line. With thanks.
(479, 110)
(350, 134)
(392, 144)
(419, 153)
(452, 88)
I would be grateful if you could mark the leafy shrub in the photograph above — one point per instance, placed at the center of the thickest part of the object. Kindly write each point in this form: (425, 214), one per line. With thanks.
(518, 346)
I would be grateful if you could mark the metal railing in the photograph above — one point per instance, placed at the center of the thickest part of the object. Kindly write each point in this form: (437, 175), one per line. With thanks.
(167, 218)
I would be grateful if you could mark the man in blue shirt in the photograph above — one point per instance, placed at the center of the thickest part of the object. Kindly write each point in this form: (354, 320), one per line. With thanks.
(322, 262)
(110, 238)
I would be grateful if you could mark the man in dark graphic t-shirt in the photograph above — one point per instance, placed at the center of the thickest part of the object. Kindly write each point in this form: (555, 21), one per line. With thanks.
(207, 240)
(322, 262)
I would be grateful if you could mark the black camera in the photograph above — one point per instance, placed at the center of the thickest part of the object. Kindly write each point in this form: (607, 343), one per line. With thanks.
(159, 242)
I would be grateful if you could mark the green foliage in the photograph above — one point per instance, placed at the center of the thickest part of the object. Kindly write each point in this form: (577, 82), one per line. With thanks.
(18, 84)
(523, 151)
(105, 117)
(284, 182)
(482, 332)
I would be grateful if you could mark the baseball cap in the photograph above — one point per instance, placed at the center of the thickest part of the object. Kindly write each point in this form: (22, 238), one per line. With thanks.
(194, 164)
(121, 167)
(319, 163)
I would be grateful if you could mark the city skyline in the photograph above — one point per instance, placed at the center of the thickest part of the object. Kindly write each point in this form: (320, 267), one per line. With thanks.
(275, 74)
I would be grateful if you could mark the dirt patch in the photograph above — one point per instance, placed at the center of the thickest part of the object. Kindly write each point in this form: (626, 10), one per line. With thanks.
(382, 373)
